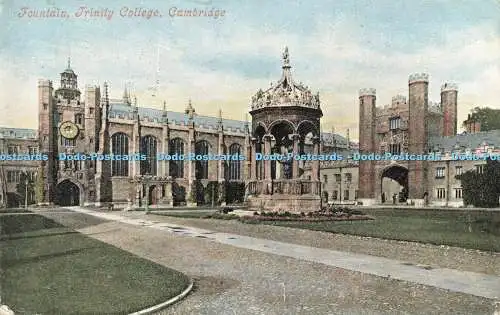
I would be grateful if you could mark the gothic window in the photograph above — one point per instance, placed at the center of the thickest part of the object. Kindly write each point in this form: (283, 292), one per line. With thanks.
(78, 119)
(235, 165)
(201, 148)
(176, 167)
(119, 146)
(259, 163)
(148, 148)
(395, 123)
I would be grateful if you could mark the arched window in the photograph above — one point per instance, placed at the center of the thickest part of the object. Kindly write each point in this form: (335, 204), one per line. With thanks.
(148, 148)
(119, 146)
(176, 168)
(201, 148)
(235, 165)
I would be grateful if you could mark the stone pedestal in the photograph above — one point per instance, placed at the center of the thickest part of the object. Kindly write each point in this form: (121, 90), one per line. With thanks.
(167, 199)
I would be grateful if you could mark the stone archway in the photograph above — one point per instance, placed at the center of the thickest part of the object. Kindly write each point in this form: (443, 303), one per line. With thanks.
(67, 194)
(394, 183)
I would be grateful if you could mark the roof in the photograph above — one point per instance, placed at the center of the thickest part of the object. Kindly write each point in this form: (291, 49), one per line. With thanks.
(466, 140)
(17, 133)
(122, 110)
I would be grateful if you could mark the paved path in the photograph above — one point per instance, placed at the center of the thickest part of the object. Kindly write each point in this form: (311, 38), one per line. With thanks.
(487, 286)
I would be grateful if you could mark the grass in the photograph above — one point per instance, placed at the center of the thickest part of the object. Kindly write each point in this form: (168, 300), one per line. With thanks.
(433, 227)
(47, 268)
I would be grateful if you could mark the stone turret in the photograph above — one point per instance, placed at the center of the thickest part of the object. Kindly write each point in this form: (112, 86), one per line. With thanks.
(418, 85)
(449, 95)
(367, 116)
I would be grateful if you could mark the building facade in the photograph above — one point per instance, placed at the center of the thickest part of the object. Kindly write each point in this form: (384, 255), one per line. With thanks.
(71, 122)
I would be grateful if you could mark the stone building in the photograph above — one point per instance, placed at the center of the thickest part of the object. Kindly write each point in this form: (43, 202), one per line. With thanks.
(416, 125)
(72, 122)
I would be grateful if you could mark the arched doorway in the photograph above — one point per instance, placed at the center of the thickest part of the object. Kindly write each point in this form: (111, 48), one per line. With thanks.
(394, 184)
(67, 194)
(153, 195)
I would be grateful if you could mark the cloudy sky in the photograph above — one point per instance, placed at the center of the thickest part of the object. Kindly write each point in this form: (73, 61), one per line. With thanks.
(336, 47)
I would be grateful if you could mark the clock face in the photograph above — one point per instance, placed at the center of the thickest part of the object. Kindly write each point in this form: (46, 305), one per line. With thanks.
(68, 130)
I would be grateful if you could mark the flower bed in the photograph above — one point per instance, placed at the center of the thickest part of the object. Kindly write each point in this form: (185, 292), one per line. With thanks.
(331, 214)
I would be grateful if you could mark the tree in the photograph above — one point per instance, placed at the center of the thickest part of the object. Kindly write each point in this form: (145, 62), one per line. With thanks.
(482, 189)
(40, 186)
(488, 118)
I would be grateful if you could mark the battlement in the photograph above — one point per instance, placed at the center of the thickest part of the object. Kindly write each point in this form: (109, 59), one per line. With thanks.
(449, 86)
(398, 99)
(418, 77)
(435, 107)
(367, 92)
(44, 82)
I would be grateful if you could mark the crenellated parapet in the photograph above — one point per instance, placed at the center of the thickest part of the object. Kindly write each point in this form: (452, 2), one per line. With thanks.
(449, 86)
(418, 77)
(435, 107)
(398, 100)
(367, 92)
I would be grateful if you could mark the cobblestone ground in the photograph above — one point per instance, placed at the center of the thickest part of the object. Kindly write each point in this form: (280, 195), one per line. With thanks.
(426, 254)
(232, 280)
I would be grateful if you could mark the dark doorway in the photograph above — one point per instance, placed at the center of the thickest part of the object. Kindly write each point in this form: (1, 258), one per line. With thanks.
(67, 194)
(153, 195)
(394, 184)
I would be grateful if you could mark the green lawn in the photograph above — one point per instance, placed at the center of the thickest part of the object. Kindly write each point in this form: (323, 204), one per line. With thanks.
(49, 269)
(434, 227)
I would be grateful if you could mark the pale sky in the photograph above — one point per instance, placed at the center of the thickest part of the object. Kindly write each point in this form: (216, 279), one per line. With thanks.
(336, 48)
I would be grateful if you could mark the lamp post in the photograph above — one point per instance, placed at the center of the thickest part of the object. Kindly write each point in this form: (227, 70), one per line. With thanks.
(25, 190)
(147, 179)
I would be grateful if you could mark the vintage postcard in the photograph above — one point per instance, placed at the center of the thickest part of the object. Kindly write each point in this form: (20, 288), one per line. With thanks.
(249, 157)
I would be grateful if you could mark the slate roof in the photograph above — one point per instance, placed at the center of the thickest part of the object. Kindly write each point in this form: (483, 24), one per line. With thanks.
(17, 133)
(466, 140)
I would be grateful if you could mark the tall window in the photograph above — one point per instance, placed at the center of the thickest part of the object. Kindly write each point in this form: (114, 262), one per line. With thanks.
(148, 148)
(348, 177)
(458, 170)
(176, 168)
(119, 146)
(13, 149)
(394, 123)
(78, 119)
(458, 193)
(235, 165)
(338, 178)
(441, 193)
(480, 169)
(32, 150)
(440, 172)
(395, 148)
(346, 195)
(201, 148)
(335, 194)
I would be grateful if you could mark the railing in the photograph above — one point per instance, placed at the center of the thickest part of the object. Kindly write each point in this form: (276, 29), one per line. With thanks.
(290, 187)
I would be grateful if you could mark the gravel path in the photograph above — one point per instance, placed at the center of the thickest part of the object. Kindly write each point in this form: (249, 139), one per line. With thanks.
(232, 280)
(426, 254)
